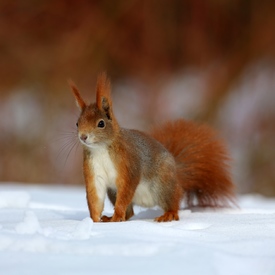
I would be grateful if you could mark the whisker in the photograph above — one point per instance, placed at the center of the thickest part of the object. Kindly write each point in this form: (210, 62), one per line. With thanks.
(76, 148)
(66, 138)
(73, 130)
(67, 133)
(67, 141)
(64, 148)
(75, 143)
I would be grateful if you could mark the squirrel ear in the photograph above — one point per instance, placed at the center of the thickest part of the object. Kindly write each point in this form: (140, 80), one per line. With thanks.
(103, 95)
(79, 101)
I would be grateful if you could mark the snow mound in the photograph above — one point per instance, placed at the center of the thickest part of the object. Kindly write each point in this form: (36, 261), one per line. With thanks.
(83, 230)
(30, 225)
(14, 199)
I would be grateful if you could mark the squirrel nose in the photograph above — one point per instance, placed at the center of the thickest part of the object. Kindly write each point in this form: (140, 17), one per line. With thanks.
(83, 137)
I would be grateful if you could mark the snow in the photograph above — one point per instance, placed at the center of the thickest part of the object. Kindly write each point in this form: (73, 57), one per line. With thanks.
(47, 230)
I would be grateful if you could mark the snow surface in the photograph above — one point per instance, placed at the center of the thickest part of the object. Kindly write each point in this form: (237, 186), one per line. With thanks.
(47, 230)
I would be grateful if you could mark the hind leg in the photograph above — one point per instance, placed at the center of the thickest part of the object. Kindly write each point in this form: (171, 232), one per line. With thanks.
(168, 216)
(170, 203)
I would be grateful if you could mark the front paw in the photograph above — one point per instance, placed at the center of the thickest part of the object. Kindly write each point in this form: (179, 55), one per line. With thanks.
(112, 219)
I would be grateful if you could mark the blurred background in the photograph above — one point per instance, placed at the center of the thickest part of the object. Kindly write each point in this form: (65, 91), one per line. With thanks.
(211, 61)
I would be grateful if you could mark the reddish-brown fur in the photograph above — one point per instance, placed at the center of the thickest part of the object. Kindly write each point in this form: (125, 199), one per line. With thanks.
(126, 181)
(195, 169)
(202, 162)
(79, 101)
(95, 207)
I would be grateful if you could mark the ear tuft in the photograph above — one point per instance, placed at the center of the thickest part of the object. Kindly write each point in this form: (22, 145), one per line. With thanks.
(79, 101)
(103, 95)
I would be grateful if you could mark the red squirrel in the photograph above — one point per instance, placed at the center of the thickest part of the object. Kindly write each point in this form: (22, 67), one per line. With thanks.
(178, 160)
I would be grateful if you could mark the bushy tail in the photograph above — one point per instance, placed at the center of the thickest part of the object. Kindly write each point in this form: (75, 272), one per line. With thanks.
(202, 163)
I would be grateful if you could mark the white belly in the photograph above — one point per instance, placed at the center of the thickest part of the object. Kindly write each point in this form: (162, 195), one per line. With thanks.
(143, 195)
(105, 177)
(104, 171)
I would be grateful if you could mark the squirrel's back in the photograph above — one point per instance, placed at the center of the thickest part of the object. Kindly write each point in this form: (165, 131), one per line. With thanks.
(202, 162)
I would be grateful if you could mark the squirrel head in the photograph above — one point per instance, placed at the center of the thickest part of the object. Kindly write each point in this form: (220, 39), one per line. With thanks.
(97, 125)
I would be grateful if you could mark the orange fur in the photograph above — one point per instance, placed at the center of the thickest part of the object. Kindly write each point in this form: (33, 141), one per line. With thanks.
(95, 206)
(79, 101)
(132, 167)
(126, 182)
(202, 162)
(103, 97)
(103, 90)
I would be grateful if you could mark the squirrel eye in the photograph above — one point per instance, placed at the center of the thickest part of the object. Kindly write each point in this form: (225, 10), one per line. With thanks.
(101, 124)
(76, 124)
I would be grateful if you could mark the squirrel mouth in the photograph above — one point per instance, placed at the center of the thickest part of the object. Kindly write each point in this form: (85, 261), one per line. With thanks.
(88, 143)
(87, 140)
